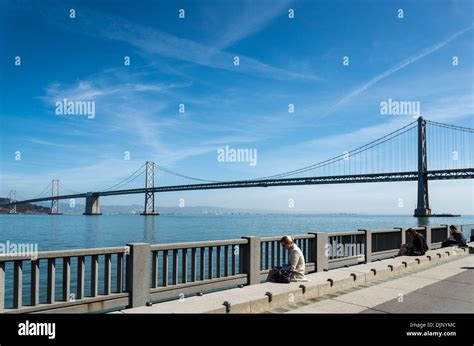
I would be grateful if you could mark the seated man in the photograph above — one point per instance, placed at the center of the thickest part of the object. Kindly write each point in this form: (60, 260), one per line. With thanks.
(456, 238)
(418, 246)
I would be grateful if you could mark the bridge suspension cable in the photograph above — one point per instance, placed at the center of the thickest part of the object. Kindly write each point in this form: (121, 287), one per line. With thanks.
(184, 176)
(343, 156)
(449, 146)
(20, 195)
(42, 193)
(454, 127)
(127, 179)
(67, 189)
(382, 155)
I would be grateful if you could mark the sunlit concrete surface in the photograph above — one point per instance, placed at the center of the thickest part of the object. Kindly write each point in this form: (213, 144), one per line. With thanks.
(382, 286)
(446, 288)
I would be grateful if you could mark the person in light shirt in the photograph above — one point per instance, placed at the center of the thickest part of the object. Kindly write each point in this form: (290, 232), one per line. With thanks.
(296, 261)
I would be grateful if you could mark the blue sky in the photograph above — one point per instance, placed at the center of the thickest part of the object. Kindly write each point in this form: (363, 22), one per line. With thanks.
(190, 61)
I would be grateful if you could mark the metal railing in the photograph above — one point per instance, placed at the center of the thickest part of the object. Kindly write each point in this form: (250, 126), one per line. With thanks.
(438, 235)
(345, 248)
(74, 279)
(102, 279)
(196, 266)
(468, 231)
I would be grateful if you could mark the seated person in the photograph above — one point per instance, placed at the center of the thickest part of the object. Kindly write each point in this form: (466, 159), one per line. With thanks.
(418, 246)
(296, 263)
(456, 238)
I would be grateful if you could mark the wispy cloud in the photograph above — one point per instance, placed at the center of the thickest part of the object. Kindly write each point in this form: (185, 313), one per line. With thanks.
(153, 41)
(136, 111)
(408, 61)
(92, 89)
(47, 143)
(249, 18)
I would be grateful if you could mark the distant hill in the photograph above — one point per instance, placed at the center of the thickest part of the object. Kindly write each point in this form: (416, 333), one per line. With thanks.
(78, 209)
(24, 208)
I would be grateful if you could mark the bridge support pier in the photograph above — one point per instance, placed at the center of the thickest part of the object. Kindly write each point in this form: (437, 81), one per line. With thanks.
(92, 204)
(423, 204)
(149, 193)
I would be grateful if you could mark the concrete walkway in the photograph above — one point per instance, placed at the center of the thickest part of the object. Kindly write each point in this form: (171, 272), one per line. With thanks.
(446, 288)
(359, 288)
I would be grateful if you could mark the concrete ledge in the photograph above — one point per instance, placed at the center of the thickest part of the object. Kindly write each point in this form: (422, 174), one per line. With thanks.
(423, 291)
(267, 296)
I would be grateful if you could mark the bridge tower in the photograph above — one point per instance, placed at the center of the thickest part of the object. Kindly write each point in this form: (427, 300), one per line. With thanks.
(55, 201)
(423, 205)
(12, 200)
(149, 189)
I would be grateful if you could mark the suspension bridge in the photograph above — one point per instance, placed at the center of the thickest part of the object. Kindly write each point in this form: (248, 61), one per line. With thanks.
(401, 155)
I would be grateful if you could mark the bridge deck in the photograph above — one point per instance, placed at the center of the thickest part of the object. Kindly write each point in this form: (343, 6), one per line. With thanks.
(372, 287)
(448, 174)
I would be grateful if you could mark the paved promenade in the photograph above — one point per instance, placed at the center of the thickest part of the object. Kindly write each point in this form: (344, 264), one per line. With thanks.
(446, 288)
(441, 281)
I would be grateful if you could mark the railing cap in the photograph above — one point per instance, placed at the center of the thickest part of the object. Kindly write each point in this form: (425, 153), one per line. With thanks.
(199, 244)
(65, 253)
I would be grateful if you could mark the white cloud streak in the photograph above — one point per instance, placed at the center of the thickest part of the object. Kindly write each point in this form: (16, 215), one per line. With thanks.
(152, 41)
(251, 17)
(408, 61)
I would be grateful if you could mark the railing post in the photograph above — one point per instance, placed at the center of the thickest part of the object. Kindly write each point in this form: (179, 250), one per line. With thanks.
(2, 286)
(320, 251)
(403, 235)
(428, 235)
(138, 274)
(367, 245)
(251, 260)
